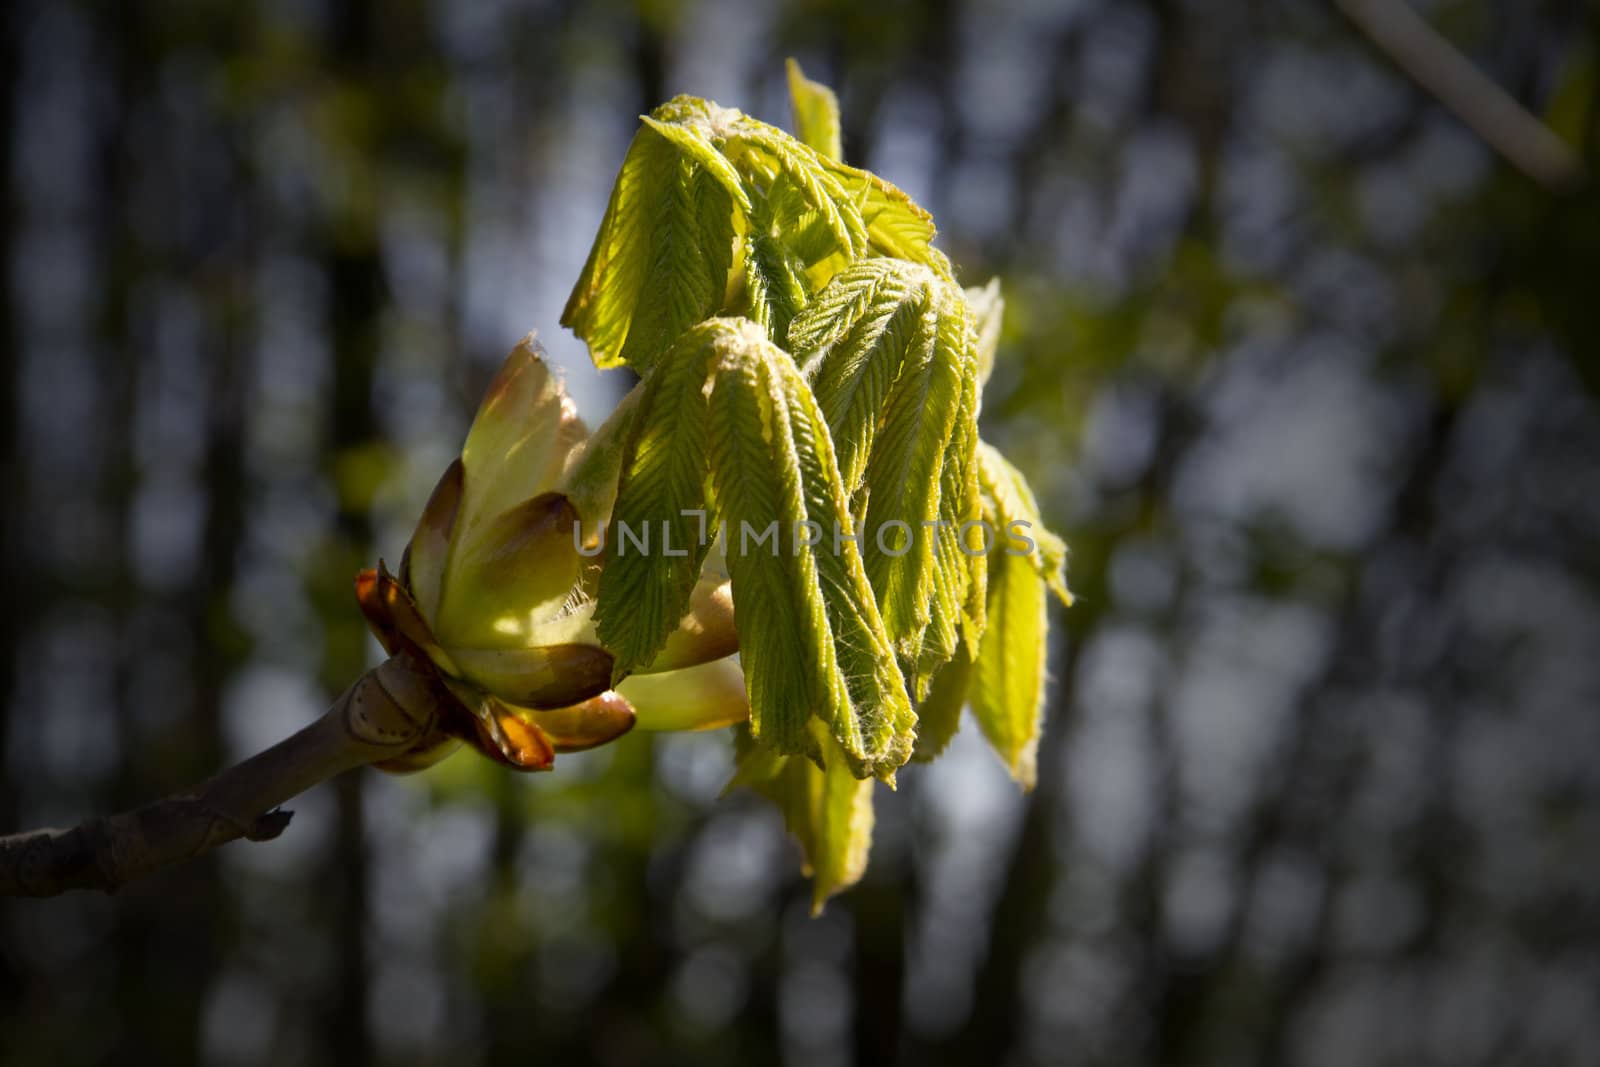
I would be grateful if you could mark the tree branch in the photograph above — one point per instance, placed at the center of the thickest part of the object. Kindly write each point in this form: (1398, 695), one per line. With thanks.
(383, 715)
(1433, 63)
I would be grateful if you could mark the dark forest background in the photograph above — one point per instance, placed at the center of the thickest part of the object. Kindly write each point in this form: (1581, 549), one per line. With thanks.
(1306, 375)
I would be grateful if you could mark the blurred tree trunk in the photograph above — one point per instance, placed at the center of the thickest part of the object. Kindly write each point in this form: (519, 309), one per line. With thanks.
(165, 960)
(1022, 906)
(14, 570)
(878, 907)
(348, 248)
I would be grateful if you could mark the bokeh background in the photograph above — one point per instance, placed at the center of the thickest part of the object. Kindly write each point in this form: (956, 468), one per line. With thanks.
(1304, 372)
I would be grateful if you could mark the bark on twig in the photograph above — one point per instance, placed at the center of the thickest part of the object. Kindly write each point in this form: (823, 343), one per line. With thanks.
(384, 714)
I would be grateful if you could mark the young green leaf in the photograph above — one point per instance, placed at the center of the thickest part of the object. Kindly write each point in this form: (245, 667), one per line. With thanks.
(660, 261)
(601, 307)
(828, 811)
(842, 823)
(775, 285)
(784, 641)
(660, 525)
(684, 122)
(816, 112)
(988, 308)
(809, 633)
(888, 350)
(698, 181)
(1024, 567)
(939, 714)
(896, 225)
(884, 716)
(1010, 507)
(1008, 679)
(962, 496)
(956, 613)
(791, 247)
(691, 248)
(761, 153)
(919, 420)
(851, 342)
(942, 638)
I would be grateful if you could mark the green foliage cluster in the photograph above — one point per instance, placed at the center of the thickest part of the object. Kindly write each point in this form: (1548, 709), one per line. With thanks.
(808, 359)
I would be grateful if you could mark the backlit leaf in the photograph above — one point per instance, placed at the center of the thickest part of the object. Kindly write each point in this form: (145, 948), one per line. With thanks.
(896, 225)
(656, 542)
(816, 112)
(828, 811)
(851, 342)
(810, 638)
(1008, 678)
(699, 181)
(988, 308)
(919, 420)
(1011, 509)
(939, 713)
(660, 261)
